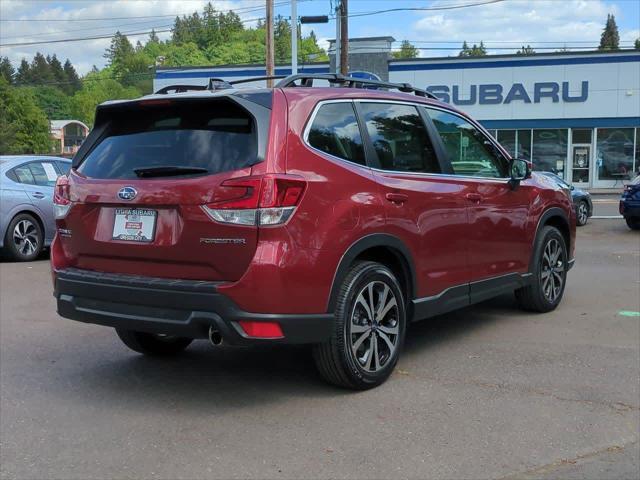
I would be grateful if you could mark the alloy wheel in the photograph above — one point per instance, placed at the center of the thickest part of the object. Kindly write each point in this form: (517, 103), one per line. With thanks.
(552, 272)
(25, 237)
(582, 213)
(374, 327)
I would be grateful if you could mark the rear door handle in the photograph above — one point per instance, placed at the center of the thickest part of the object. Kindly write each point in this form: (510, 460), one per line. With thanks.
(397, 198)
(474, 197)
(38, 195)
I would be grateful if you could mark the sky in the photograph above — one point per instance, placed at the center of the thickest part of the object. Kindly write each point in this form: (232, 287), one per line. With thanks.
(504, 26)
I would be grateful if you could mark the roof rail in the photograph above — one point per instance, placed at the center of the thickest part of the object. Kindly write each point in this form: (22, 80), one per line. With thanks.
(306, 80)
(213, 85)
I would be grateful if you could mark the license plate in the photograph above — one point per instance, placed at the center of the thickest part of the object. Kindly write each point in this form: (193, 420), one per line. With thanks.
(134, 224)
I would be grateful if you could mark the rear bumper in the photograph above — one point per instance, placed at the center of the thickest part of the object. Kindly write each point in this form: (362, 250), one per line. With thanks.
(176, 307)
(629, 209)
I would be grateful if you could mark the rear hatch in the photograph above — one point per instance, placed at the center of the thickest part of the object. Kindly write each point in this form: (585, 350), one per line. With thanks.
(140, 186)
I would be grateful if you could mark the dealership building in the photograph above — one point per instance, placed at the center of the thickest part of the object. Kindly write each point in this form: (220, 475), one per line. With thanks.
(577, 114)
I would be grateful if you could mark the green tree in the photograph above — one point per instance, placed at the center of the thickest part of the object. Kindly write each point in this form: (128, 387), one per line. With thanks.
(526, 51)
(98, 87)
(24, 128)
(6, 70)
(40, 71)
(119, 52)
(23, 75)
(406, 51)
(474, 51)
(56, 104)
(610, 39)
(636, 44)
(57, 70)
(464, 52)
(73, 81)
(153, 37)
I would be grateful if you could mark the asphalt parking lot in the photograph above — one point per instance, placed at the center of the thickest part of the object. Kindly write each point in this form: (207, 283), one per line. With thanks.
(486, 392)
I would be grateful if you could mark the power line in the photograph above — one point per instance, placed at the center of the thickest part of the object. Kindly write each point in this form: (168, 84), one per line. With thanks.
(421, 9)
(240, 9)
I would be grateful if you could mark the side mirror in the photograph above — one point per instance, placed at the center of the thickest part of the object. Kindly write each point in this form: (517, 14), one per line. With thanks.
(519, 170)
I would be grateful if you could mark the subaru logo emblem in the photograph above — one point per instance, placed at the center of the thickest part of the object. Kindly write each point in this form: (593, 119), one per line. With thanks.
(127, 193)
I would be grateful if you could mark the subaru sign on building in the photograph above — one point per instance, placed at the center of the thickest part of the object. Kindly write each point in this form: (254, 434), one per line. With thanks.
(576, 114)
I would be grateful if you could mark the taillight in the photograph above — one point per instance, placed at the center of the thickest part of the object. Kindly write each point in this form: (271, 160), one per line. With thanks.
(61, 198)
(266, 200)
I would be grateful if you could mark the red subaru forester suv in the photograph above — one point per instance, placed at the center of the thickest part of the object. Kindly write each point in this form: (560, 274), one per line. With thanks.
(325, 215)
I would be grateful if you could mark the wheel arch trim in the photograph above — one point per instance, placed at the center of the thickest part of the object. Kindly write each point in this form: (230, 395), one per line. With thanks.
(544, 218)
(375, 240)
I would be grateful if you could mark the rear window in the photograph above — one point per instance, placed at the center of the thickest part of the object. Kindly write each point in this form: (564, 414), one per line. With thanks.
(215, 135)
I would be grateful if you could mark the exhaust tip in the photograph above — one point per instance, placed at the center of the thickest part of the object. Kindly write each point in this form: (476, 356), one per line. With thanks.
(215, 337)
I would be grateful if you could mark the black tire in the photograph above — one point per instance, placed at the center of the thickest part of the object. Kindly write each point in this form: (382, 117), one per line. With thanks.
(336, 360)
(633, 222)
(23, 240)
(151, 344)
(535, 297)
(582, 213)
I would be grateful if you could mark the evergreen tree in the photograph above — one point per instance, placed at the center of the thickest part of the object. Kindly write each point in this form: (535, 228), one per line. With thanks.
(610, 39)
(73, 81)
(57, 70)
(526, 51)
(119, 50)
(406, 50)
(636, 44)
(153, 37)
(41, 72)
(464, 52)
(23, 76)
(6, 70)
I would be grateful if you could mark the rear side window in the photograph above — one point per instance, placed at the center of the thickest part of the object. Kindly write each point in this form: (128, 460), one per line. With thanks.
(335, 131)
(212, 136)
(64, 167)
(23, 174)
(399, 138)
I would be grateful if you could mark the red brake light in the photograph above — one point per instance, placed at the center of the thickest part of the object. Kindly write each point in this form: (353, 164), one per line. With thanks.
(61, 194)
(61, 197)
(261, 329)
(264, 200)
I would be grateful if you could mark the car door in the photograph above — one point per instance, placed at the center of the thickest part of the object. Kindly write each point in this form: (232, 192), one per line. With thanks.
(498, 211)
(423, 207)
(39, 186)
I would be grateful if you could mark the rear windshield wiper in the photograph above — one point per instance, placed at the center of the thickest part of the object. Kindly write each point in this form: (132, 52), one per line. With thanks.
(168, 171)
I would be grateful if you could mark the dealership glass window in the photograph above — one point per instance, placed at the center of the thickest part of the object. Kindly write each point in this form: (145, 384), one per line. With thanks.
(550, 150)
(524, 144)
(581, 135)
(614, 153)
(507, 139)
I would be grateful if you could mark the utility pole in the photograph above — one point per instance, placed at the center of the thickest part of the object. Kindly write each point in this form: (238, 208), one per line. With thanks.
(269, 42)
(336, 46)
(294, 38)
(344, 38)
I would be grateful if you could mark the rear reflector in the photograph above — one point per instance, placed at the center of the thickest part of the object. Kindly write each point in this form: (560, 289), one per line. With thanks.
(261, 329)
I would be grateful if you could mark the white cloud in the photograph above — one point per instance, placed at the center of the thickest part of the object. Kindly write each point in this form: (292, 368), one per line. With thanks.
(517, 21)
(86, 53)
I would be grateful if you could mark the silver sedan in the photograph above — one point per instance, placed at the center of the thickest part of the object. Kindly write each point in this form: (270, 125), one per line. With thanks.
(27, 224)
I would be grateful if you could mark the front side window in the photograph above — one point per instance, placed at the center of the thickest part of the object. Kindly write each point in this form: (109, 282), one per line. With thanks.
(470, 152)
(335, 131)
(399, 138)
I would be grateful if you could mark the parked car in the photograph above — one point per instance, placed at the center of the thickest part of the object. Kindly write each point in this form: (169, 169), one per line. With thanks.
(630, 204)
(27, 224)
(581, 199)
(299, 215)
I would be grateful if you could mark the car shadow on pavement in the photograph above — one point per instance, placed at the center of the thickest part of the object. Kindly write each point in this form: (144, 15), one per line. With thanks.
(228, 378)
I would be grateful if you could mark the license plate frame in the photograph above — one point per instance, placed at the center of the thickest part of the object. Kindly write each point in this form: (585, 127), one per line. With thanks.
(134, 225)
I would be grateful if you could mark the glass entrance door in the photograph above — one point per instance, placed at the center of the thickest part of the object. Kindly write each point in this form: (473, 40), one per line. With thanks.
(580, 163)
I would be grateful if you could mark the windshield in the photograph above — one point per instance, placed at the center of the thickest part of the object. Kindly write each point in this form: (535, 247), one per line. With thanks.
(192, 138)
